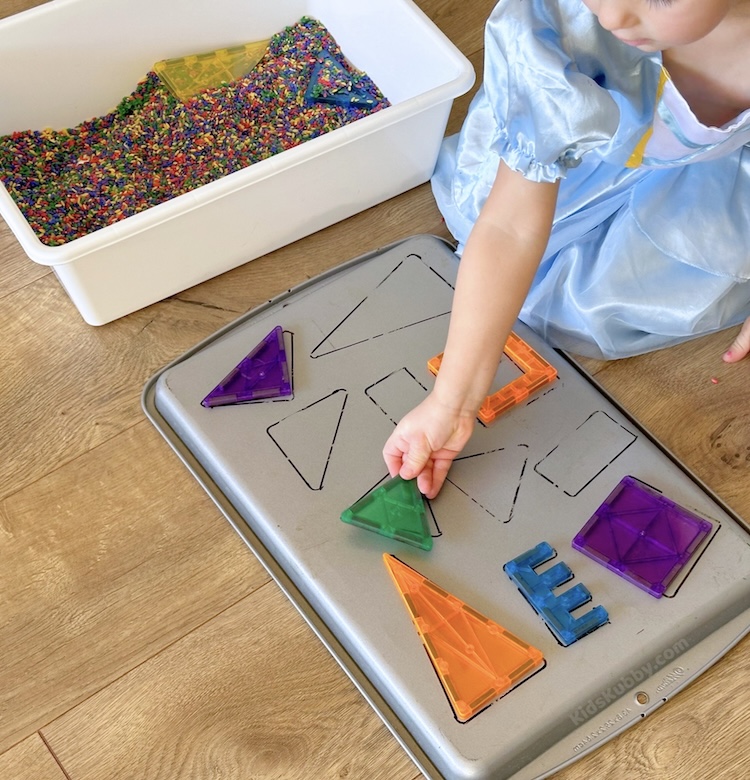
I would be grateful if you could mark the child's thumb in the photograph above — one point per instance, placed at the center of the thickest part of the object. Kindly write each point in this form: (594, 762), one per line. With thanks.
(741, 345)
(414, 461)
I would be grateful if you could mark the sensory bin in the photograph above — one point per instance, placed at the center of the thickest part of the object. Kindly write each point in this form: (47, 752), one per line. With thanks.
(153, 146)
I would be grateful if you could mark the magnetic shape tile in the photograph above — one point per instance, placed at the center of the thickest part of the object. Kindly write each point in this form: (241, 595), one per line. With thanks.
(642, 536)
(554, 609)
(394, 509)
(332, 82)
(476, 659)
(537, 373)
(264, 373)
(187, 76)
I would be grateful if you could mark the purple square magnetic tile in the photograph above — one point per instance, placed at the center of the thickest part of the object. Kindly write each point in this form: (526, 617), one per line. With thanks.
(264, 373)
(642, 535)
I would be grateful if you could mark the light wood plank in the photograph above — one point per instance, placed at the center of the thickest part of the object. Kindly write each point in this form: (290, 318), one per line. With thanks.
(250, 694)
(18, 269)
(703, 733)
(68, 387)
(102, 564)
(706, 424)
(30, 760)
(463, 23)
(10, 7)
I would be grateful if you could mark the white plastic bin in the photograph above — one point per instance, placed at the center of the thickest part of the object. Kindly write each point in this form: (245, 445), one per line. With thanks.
(72, 60)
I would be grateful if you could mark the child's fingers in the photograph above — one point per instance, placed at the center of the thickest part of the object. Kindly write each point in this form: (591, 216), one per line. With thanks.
(393, 454)
(415, 460)
(440, 469)
(741, 345)
(425, 482)
(435, 471)
(404, 457)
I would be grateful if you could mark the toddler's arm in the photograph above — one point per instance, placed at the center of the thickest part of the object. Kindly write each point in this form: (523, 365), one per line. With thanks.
(496, 270)
(740, 346)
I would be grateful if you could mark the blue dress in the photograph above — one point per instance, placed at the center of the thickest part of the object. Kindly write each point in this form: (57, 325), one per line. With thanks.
(650, 244)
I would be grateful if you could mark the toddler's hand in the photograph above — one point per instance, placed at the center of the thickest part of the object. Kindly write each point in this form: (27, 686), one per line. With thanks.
(425, 443)
(740, 346)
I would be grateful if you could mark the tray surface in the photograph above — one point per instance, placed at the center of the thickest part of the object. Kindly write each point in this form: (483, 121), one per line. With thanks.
(357, 342)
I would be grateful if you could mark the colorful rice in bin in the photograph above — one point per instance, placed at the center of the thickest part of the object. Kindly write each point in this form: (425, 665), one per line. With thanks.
(153, 147)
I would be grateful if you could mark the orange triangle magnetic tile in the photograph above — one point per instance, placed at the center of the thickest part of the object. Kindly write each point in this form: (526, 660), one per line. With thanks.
(476, 659)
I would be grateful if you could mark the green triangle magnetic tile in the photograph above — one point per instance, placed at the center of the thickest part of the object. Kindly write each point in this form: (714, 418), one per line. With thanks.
(394, 509)
(476, 659)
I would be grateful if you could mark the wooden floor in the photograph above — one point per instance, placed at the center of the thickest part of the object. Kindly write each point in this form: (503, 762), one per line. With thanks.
(141, 639)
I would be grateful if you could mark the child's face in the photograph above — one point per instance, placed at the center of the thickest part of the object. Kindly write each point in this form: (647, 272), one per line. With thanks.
(655, 25)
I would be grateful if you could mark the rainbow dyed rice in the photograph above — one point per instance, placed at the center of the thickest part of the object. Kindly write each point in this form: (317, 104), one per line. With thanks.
(153, 147)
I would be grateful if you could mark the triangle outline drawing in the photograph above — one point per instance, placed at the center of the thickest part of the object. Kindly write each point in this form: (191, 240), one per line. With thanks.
(476, 659)
(307, 437)
(391, 306)
(262, 374)
(469, 475)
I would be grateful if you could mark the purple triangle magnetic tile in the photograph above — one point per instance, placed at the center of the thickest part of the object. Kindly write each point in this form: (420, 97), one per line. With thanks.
(262, 374)
(642, 536)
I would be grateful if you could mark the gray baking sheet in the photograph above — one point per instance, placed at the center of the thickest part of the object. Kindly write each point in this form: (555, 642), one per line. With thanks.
(282, 471)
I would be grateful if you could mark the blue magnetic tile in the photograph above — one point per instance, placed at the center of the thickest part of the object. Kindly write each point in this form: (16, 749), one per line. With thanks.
(332, 82)
(554, 609)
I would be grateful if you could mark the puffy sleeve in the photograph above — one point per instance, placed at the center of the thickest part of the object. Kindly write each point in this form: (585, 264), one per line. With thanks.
(556, 85)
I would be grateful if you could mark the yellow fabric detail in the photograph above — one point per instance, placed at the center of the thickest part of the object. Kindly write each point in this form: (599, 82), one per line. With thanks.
(636, 158)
